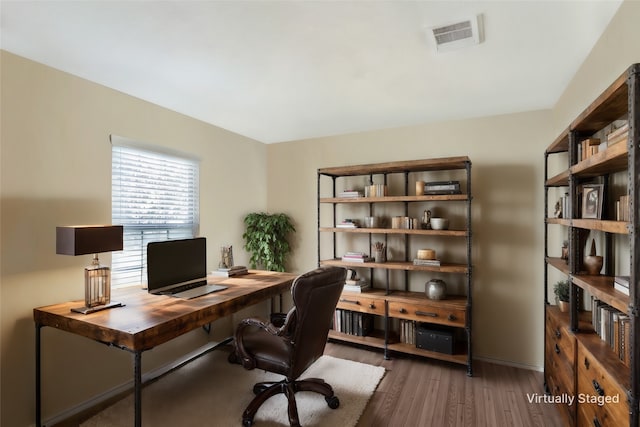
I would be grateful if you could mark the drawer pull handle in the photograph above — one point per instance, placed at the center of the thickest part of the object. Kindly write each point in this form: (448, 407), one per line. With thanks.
(452, 318)
(586, 363)
(597, 388)
(557, 349)
(596, 422)
(372, 305)
(426, 313)
(403, 311)
(557, 332)
(350, 301)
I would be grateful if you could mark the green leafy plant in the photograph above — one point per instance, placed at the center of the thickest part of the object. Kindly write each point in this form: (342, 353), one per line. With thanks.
(265, 239)
(561, 289)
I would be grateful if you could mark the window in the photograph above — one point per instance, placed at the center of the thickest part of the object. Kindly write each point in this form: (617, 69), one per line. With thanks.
(155, 197)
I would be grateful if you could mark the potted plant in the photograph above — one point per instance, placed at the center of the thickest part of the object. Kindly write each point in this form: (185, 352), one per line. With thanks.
(561, 289)
(265, 238)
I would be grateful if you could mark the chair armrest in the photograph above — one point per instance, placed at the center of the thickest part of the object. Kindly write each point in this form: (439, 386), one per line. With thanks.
(247, 361)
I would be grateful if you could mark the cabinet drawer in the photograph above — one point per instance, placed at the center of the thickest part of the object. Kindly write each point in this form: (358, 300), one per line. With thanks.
(557, 387)
(361, 302)
(426, 312)
(601, 400)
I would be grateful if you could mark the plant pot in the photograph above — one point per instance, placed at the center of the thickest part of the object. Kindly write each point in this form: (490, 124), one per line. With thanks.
(563, 306)
(593, 264)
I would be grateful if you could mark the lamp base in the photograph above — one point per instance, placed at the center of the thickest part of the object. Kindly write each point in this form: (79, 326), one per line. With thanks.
(88, 310)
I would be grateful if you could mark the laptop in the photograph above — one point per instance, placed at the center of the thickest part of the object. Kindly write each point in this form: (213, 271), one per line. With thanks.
(179, 268)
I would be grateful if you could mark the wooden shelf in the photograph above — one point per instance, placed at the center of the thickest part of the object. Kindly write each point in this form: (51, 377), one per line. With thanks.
(613, 159)
(559, 264)
(419, 232)
(601, 287)
(444, 163)
(462, 197)
(397, 265)
(460, 358)
(560, 180)
(617, 227)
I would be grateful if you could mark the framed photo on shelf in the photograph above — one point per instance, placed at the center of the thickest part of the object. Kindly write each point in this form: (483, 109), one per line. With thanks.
(592, 201)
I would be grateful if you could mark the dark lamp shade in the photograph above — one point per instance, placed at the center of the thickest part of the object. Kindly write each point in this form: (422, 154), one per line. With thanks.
(88, 239)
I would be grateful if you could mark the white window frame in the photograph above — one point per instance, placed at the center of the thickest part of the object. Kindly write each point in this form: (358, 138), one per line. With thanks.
(137, 165)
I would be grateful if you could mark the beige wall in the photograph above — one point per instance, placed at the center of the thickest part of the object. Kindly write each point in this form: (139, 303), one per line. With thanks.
(56, 170)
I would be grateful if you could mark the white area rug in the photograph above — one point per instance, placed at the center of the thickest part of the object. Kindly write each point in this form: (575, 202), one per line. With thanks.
(212, 392)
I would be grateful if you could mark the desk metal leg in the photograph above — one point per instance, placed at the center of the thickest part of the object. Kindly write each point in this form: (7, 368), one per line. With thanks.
(38, 379)
(137, 373)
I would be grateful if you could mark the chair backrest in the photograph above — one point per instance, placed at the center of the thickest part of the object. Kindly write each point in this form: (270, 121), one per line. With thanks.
(315, 296)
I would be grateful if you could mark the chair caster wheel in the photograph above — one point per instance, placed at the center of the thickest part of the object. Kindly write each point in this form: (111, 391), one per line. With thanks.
(233, 358)
(247, 422)
(333, 402)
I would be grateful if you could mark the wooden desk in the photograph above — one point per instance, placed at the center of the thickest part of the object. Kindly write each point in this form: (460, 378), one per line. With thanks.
(147, 321)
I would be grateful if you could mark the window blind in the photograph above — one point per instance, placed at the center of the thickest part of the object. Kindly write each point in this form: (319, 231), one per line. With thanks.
(155, 197)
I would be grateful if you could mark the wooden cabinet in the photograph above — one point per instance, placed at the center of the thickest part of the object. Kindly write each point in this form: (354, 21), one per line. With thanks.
(592, 352)
(393, 193)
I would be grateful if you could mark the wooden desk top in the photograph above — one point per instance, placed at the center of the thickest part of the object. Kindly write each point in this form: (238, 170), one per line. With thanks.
(147, 320)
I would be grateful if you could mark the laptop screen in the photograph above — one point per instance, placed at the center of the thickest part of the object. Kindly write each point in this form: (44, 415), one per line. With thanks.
(175, 261)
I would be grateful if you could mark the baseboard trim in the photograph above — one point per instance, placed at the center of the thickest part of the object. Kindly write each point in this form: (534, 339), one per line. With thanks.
(128, 386)
(509, 363)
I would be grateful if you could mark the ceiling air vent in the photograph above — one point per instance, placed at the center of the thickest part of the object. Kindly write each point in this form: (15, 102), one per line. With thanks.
(458, 34)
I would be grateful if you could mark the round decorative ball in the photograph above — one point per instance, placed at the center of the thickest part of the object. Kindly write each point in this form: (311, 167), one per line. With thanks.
(436, 289)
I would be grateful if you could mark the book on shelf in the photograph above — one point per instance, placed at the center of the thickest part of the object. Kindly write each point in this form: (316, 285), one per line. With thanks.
(348, 223)
(623, 212)
(618, 135)
(356, 257)
(442, 187)
(589, 147)
(612, 326)
(350, 194)
(236, 270)
(352, 322)
(358, 285)
(427, 262)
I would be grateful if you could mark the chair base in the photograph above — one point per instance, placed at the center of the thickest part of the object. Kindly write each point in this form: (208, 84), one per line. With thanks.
(264, 391)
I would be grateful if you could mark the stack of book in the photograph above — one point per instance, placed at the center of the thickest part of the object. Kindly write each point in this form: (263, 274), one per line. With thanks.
(427, 262)
(618, 135)
(612, 326)
(408, 331)
(350, 194)
(623, 212)
(237, 270)
(348, 223)
(356, 285)
(352, 322)
(588, 148)
(442, 187)
(356, 257)
(621, 283)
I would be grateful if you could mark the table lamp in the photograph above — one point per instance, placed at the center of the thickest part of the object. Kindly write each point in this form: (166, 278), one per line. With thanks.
(92, 239)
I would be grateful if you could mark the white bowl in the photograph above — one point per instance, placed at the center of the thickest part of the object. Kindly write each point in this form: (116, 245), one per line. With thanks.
(439, 223)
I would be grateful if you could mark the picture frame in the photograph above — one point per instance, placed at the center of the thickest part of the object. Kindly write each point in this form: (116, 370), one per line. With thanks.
(592, 195)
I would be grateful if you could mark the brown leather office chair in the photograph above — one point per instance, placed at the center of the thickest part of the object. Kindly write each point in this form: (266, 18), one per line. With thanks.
(288, 347)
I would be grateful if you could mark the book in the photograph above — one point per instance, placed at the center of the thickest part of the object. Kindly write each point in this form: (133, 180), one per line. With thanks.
(348, 223)
(618, 135)
(621, 284)
(428, 262)
(350, 194)
(237, 270)
(442, 187)
(356, 285)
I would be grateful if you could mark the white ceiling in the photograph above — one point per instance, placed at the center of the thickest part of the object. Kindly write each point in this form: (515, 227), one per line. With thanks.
(287, 70)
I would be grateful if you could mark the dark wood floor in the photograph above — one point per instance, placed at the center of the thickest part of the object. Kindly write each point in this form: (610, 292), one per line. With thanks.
(423, 392)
